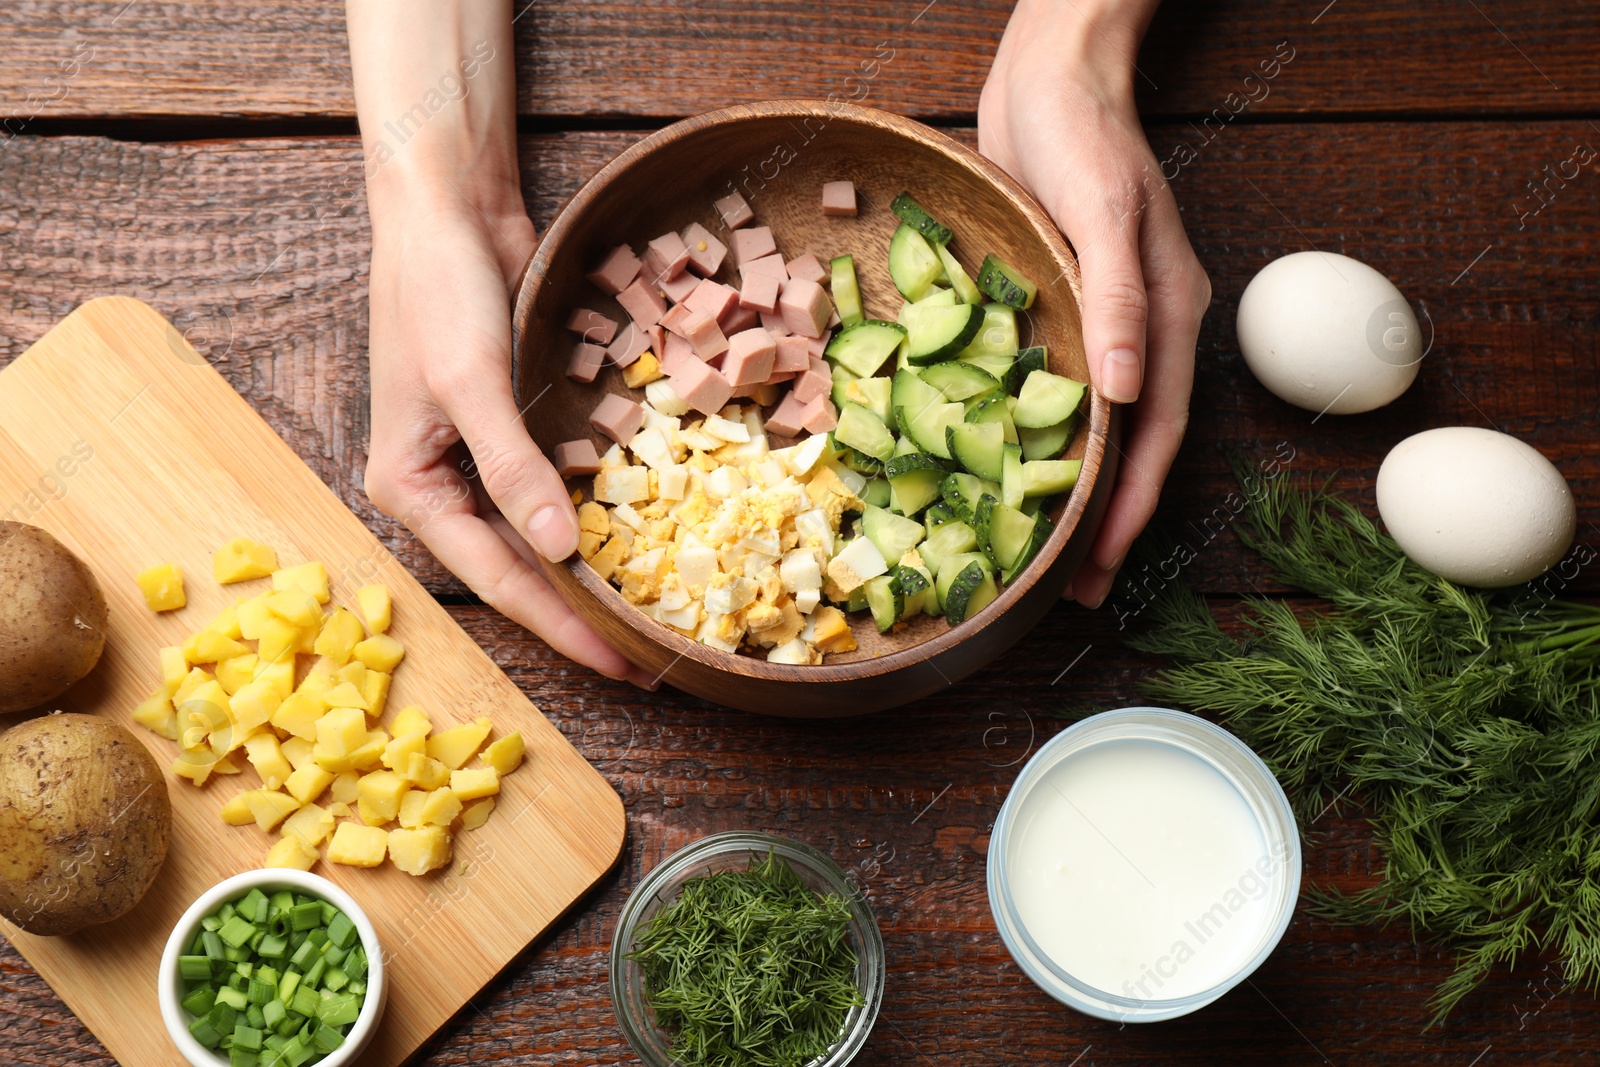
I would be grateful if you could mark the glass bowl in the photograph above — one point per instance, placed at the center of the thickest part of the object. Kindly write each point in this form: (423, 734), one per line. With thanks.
(734, 851)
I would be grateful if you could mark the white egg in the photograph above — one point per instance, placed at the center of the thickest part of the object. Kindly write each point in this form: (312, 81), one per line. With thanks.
(1328, 333)
(1477, 507)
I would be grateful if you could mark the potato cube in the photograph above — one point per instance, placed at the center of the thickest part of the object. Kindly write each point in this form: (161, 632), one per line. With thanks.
(174, 668)
(307, 577)
(207, 646)
(472, 784)
(426, 772)
(419, 851)
(162, 586)
(368, 756)
(295, 606)
(380, 653)
(253, 705)
(355, 845)
(298, 715)
(252, 614)
(411, 720)
(227, 623)
(235, 672)
(270, 807)
(191, 681)
(375, 688)
(477, 813)
(441, 808)
(411, 804)
(341, 810)
(341, 731)
(505, 755)
(279, 641)
(236, 812)
(242, 560)
(354, 672)
(453, 747)
(195, 763)
(297, 750)
(377, 610)
(158, 716)
(316, 683)
(379, 795)
(398, 751)
(269, 761)
(279, 675)
(311, 824)
(292, 852)
(206, 705)
(345, 696)
(339, 637)
(307, 783)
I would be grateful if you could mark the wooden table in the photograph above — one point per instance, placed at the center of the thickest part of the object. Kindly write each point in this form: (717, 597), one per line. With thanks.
(202, 156)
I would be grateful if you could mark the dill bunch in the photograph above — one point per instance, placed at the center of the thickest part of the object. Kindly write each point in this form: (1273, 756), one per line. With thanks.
(1466, 722)
(750, 968)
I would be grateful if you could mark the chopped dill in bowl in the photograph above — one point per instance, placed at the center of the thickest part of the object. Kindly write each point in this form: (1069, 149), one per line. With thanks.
(750, 968)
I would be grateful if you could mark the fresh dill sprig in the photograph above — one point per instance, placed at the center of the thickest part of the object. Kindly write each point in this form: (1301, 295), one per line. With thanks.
(750, 968)
(1466, 722)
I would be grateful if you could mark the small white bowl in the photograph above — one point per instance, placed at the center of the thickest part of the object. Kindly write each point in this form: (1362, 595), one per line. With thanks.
(267, 880)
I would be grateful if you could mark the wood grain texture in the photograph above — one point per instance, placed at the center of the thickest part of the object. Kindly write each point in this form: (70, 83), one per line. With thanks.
(152, 458)
(671, 58)
(257, 251)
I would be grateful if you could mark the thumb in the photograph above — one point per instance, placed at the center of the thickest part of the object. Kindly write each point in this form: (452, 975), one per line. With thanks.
(1115, 309)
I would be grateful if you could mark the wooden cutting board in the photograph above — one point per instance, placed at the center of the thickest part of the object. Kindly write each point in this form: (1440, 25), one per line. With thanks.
(119, 439)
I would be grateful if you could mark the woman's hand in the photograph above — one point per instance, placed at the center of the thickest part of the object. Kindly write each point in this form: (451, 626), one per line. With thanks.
(1058, 114)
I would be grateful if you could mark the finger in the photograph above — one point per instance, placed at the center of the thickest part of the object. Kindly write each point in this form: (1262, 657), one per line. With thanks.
(1116, 307)
(525, 487)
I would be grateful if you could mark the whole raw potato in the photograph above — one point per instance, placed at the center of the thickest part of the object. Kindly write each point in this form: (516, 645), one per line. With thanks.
(52, 617)
(84, 823)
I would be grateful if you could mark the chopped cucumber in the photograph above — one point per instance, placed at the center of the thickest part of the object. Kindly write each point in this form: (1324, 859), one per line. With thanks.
(914, 481)
(916, 591)
(996, 341)
(916, 216)
(846, 290)
(905, 446)
(962, 491)
(1042, 528)
(859, 462)
(1047, 477)
(937, 515)
(936, 298)
(977, 446)
(958, 381)
(872, 394)
(965, 586)
(1047, 399)
(971, 403)
(945, 540)
(924, 421)
(1006, 283)
(862, 348)
(875, 492)
(1046, 442)
(994, 409)
(1006, 535)
(913, 266)
(960, 281)
(884, 600)
(982, 516)
(935, 334)
(863, 431)
(895, 535)
(1030, 359)
(1011, 493)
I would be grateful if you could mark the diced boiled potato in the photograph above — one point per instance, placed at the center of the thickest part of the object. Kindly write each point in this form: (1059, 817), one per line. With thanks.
(375, 690)
(234, 673)
(346, 787)
(311, 824)
(411, 804)
(226, 623)
(380, 653)
(295, 606)
(376, 608)
(341, 810)
(174, 668)
(317, 682)
(162, 586)
(453, 747)
(208, 646)
(505, 755)
(194, 763)
(411, 719)
(426, 772)
(355, 845)
(252, 614)
(270, 807)
(398, 751)
(379, 796)
(369, 756)
(269, 761)
(419, 851)
(292, 852)
(242, 560)
(354, 672)
(477, 813)
(341, 731)
(472, 784)
(345, 696)
(297, 750)
(308, 577)
(279, 641)
(279, 675)
(307, 783)
(253, 704)
(339, 636)
(442, 807)
(158, 716)
(236, 812)
(298, 715)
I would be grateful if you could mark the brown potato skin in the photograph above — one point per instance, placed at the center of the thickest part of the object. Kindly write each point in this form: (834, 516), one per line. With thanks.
(52, 618)
(85, 821)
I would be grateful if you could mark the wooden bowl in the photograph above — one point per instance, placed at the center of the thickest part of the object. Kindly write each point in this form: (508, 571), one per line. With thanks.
(778, 154)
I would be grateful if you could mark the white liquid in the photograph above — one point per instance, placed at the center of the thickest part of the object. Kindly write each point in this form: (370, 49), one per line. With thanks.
(1140, 870)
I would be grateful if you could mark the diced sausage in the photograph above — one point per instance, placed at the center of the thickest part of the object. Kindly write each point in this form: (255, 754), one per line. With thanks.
(812, 384)
(714, 298)
(750, 358)
(585, 362)
(770, 264)
(787, 420)
(576, 457)
(735, 211)
(666, 256)
(630, 344)
(676, 316)
(838, 198)
(618, 418)
(819, 415)
(592, 326)
(752, 244)
(706, 253)
(679, 288)
(703, 334)
(808, 267)
(805, 307)
(817, 346)
(773, 323)
(676, 353)
(658, 339)
(642, 303)
(760, 291)
(739, 318)
(779, 377)
(792, 355)
(617, 271)
(701, 387)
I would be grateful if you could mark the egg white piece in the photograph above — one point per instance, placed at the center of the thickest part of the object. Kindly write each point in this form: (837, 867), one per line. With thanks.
(1477, 507)
(1328, 333)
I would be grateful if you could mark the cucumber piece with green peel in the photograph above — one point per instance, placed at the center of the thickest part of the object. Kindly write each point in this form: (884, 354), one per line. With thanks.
(1042, 527)
(917, 217)
(962, 491)
(1005, 283)
(960, 281)
(1011, 493)
(937, 514)
(938, 333)
(846, 289)
(996, 340)
(861, 349)
(914, 481)
(875, 493)
(1005, 534)
(1046, 442)
(1047, 477)
(944, 540)
(977, 446)
(923, 413)
(895, 535)
(994, 409)
(916, 591)
(959, 381)
(982, 516)
(937, 298)
(905, 446)
(913, 265)
(1030, 359)
(872, 394)
(885, 601)
(1047, 399)
(965, 586)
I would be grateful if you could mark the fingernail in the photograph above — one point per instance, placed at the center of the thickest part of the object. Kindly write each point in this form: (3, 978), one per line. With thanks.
(553, 533)
(1121, 376)
(649, 683)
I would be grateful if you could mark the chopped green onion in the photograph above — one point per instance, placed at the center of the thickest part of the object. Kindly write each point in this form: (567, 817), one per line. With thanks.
(262, 992)
(306, 916)
(305, 1001)
(233, 998)
(247, 1037)
(304, 955)
(194, 968)
(314, 975)
(272, 947)
(199, 1000)
(341, 931)
(212, 944)
(326, 1039)
(253, 1016)
(202, 1031)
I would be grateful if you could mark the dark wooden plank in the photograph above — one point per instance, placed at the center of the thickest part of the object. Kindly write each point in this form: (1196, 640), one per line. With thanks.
(906, 800)
(109, 58)
(258, 250)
